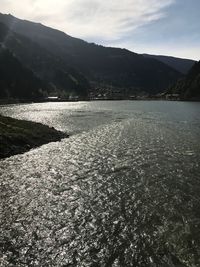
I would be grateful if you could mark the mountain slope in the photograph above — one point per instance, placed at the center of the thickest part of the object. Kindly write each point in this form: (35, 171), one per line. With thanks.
(110, 66)
(57, 74)
(189, 87)
(180, 64)
(16, 81)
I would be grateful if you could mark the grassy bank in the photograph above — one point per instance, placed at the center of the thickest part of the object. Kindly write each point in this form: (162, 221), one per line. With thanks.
(18, 136)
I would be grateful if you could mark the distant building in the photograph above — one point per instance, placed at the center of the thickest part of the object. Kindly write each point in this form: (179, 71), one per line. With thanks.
(52, 98)
(172, 97)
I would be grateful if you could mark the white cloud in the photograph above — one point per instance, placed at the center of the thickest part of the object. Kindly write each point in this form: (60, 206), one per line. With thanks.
(90, 19)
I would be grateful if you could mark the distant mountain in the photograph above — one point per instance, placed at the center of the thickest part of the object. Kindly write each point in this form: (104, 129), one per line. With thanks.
(189, 87)
(112, 67)
(180, 64)
(16, 81)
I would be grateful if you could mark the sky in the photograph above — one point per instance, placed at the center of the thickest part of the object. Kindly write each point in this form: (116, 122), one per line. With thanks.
(161, 27)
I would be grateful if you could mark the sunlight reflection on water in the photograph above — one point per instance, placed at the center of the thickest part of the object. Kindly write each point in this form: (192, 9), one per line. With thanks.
(123, 191)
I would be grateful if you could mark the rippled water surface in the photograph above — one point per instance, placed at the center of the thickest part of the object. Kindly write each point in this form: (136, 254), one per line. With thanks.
(123, 190)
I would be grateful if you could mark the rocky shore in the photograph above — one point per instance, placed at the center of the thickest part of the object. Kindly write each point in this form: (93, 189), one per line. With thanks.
(18, 136)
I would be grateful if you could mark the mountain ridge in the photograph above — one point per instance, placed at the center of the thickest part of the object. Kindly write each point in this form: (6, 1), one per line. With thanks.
(116, 67)
(43, 64)
(182, 65)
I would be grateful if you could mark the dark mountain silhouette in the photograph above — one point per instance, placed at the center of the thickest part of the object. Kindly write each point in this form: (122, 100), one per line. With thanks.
(189, 87)
(180, 64)
(16, 81)
(57, 74)
(115, 67)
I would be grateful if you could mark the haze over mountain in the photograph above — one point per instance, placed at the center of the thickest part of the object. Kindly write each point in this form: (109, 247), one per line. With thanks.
(46, 50)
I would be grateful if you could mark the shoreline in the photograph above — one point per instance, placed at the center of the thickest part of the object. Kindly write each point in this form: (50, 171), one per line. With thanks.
(5, 103)
(19, 136)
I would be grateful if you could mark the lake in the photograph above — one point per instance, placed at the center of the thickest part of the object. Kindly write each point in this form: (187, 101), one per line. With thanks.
(123, 190)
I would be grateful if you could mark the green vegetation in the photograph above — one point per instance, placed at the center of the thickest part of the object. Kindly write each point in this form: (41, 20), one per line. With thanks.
(18, 136)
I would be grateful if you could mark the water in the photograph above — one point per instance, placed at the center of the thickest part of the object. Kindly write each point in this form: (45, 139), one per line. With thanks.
(123, 190)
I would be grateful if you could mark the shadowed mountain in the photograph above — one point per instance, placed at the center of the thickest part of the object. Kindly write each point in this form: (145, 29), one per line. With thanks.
(56, 73)
(180, 64)
(189, 87)
(101, 65)
(16, 81)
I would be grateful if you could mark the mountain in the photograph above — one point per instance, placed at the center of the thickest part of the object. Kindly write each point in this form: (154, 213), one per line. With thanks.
(189, 87)
(180, 64)
(16, 81)
(56, 74)
(112, 67)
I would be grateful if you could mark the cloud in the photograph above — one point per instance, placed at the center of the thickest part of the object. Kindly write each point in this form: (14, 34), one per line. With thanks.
(90, 19)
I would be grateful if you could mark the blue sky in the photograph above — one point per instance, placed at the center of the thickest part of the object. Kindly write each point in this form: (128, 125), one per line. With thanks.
(177, 33)
(168, 27)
